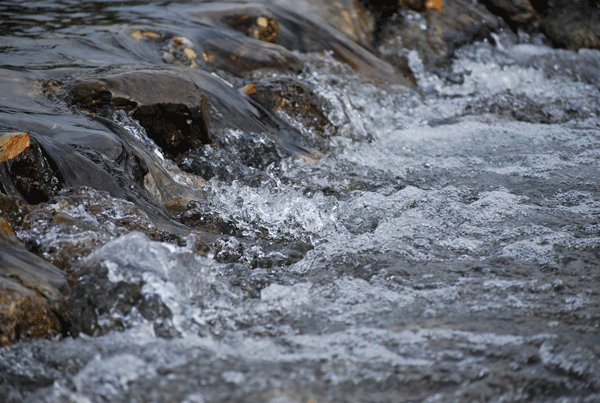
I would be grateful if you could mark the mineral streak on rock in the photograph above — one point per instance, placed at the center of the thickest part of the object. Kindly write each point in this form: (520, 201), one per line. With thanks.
(434, 4)
(167, 104)
(13, 144)
(29, 172)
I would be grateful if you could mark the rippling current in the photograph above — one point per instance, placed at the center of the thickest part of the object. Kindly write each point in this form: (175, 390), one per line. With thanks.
(444, 248)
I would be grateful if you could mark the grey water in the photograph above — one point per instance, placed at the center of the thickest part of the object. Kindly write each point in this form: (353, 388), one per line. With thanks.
(445, 247)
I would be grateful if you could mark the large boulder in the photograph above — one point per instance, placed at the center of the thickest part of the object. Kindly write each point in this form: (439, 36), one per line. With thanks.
(169, 106)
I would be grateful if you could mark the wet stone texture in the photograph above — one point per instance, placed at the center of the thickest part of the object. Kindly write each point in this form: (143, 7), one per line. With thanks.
(32, 292)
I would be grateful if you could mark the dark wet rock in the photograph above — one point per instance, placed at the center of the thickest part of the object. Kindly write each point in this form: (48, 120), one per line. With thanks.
(167, 104)
(47, 166)
(108, 293)
(572, 24)
(352, 17)
(299, 33)
(231, 108)
(436, 35)
(416, 5)
(518, 13)
(31, 292)
(98, 305)
(251, 58)
(13, 209)
(31, 175)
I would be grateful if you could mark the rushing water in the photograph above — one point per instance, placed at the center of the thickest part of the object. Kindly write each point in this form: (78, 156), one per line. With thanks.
(445, 248)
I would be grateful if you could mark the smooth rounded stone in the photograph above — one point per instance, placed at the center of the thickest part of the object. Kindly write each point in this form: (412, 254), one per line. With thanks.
(435, 35)
(515, 12)
(572, 24)
(31, 291)
(166, 103)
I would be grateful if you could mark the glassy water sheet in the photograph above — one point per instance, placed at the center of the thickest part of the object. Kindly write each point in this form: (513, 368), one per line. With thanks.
(454, 251)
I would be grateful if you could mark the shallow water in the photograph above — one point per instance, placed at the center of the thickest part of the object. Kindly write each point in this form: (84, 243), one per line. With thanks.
(445, 248)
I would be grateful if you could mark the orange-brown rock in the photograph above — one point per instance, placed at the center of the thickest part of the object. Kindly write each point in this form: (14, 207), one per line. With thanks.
(24, 314)
(31, 292)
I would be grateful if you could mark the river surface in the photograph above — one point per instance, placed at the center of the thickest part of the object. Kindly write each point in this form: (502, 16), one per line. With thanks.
(444, 248)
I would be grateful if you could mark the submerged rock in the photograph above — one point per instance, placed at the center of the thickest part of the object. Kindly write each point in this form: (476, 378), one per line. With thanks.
(289, 26)
(115, 290)
(167, 104)
(13, 144)
(348, 16)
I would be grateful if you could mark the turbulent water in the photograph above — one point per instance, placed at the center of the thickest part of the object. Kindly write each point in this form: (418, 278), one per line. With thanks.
(445, 248)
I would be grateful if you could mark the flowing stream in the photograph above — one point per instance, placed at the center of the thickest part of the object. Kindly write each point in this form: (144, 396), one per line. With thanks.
(444, 248)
